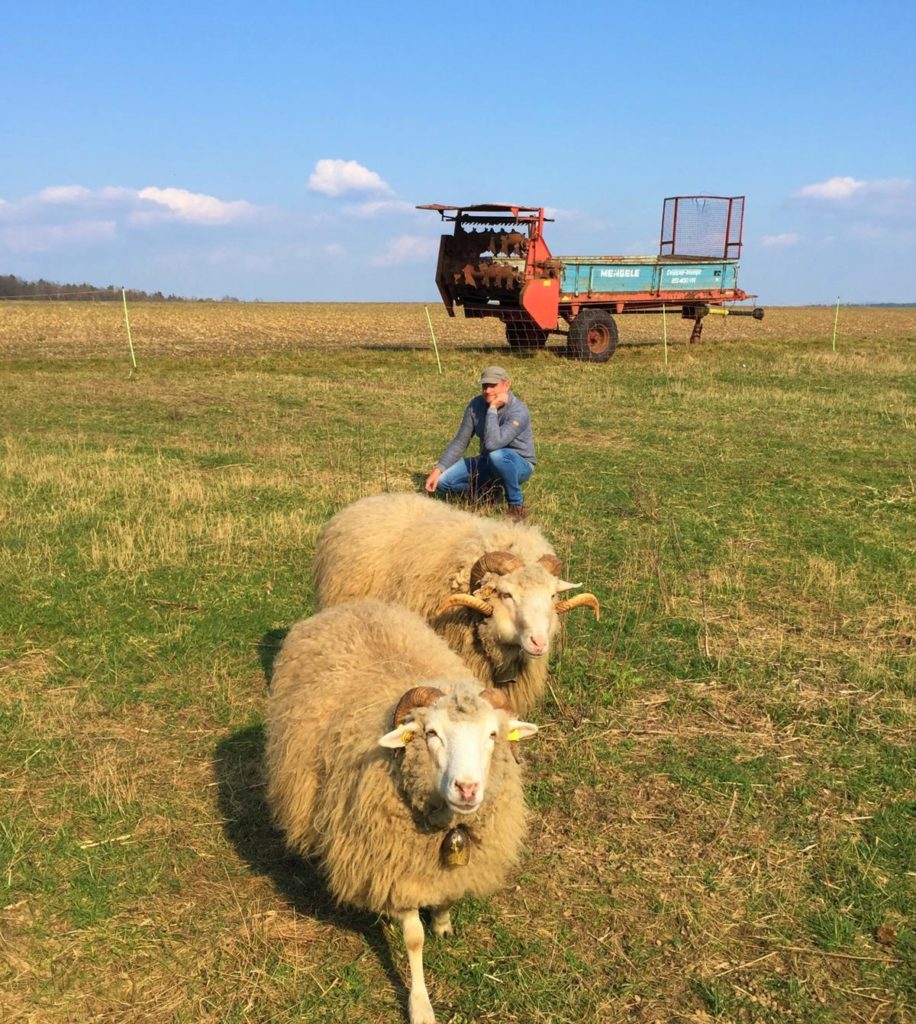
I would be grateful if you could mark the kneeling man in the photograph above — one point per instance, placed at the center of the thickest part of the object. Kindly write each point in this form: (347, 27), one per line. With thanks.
(503, 424)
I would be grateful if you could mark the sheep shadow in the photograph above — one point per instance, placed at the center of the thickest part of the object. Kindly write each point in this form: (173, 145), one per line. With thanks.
(268, 648)
(239, 775)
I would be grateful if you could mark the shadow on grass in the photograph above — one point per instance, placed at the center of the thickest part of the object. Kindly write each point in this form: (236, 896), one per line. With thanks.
(382, 346)
(503, 350)
(480, 502)
(239, 772)
(268, 647)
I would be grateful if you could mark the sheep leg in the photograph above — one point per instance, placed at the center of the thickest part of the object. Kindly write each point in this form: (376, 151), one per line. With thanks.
(442, 921)
(421, 1010)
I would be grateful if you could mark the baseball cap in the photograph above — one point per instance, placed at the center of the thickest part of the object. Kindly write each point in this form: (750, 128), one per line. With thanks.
(493, 375)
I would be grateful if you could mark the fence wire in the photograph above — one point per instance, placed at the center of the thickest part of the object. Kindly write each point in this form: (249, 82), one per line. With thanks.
(97, 330)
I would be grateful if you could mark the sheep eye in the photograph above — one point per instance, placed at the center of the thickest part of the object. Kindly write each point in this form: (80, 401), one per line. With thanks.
(431, 734)
(506, 597)
(493, 735)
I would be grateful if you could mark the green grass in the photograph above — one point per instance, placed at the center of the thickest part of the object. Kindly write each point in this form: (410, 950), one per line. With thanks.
(723, 789)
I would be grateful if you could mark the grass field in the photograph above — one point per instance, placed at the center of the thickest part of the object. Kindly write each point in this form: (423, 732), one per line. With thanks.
(723, 790)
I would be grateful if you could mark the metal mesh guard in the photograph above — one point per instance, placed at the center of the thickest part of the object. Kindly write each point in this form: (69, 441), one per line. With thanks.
(702, 226)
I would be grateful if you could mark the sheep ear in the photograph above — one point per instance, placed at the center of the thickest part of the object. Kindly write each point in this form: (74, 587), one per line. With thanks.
(400, 737)
(565, 585)
(520, 730)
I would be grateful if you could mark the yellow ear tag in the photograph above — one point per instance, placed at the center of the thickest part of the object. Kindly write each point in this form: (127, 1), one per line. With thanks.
(514, 735)
(408, 736)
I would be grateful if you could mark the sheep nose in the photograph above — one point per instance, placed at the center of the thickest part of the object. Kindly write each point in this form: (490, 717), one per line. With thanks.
(467, 791)
(537, 643)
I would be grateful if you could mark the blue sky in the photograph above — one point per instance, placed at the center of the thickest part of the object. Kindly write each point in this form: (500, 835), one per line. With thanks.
(277, 151)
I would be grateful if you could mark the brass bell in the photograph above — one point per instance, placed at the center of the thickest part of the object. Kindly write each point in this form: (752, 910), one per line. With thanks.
(456, 847)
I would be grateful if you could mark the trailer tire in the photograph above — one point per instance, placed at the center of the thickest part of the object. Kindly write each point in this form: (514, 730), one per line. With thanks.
(524, 336)
(592, 336)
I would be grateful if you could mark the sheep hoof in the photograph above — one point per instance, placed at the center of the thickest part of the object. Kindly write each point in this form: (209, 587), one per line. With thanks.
(442, 924)
(421, 1009)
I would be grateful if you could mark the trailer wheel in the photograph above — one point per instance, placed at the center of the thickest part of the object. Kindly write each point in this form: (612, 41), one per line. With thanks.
(523, 335)
(592, 336)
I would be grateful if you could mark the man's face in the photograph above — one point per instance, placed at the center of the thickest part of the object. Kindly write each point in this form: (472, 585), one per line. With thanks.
(491, 390)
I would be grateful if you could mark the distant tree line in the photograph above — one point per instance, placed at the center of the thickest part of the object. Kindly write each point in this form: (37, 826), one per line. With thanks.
(12, 287)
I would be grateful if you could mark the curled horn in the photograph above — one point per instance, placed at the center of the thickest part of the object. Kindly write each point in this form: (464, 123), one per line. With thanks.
(578, 601)
(418, 697)
(465, 601)
(499, 562)
(552, 564)
(498, 699)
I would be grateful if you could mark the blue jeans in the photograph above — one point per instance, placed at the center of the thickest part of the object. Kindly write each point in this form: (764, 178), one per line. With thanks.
(503, 466)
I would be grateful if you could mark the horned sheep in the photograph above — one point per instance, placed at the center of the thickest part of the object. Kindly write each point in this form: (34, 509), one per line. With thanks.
(489, 586)
(388, 764)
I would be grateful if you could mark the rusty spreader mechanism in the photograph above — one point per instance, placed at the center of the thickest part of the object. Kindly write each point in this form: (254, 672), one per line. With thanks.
(476, 261)
(495, 263)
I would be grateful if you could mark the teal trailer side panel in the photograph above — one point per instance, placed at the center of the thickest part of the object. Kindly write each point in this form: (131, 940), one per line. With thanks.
(581, 278)
(698, 277)
(617, 275)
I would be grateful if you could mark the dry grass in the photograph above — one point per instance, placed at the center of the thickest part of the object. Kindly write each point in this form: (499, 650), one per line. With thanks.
(96, 330)
(720, 786)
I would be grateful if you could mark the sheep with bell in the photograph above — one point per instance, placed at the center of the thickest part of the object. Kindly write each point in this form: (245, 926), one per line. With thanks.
(390, 765)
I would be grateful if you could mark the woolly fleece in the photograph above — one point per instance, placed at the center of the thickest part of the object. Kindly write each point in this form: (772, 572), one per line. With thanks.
(417, 550)
(362, 809)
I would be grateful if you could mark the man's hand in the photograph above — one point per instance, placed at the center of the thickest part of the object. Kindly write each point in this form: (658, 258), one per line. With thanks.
(432, 481)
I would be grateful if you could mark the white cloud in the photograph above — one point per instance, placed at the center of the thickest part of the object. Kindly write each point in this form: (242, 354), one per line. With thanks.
(379, 207)
(407, 249)
(833, 189)
(567, 216)
(191, 207)
(782, 241)
(56, 195)
(64, 193)
(137, 206)
(65, 215)
(25, 238)
(842, 188)
(336, 177)
(334, 249)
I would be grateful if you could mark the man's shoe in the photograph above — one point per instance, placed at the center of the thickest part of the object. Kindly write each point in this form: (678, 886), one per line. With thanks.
(517, 513)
